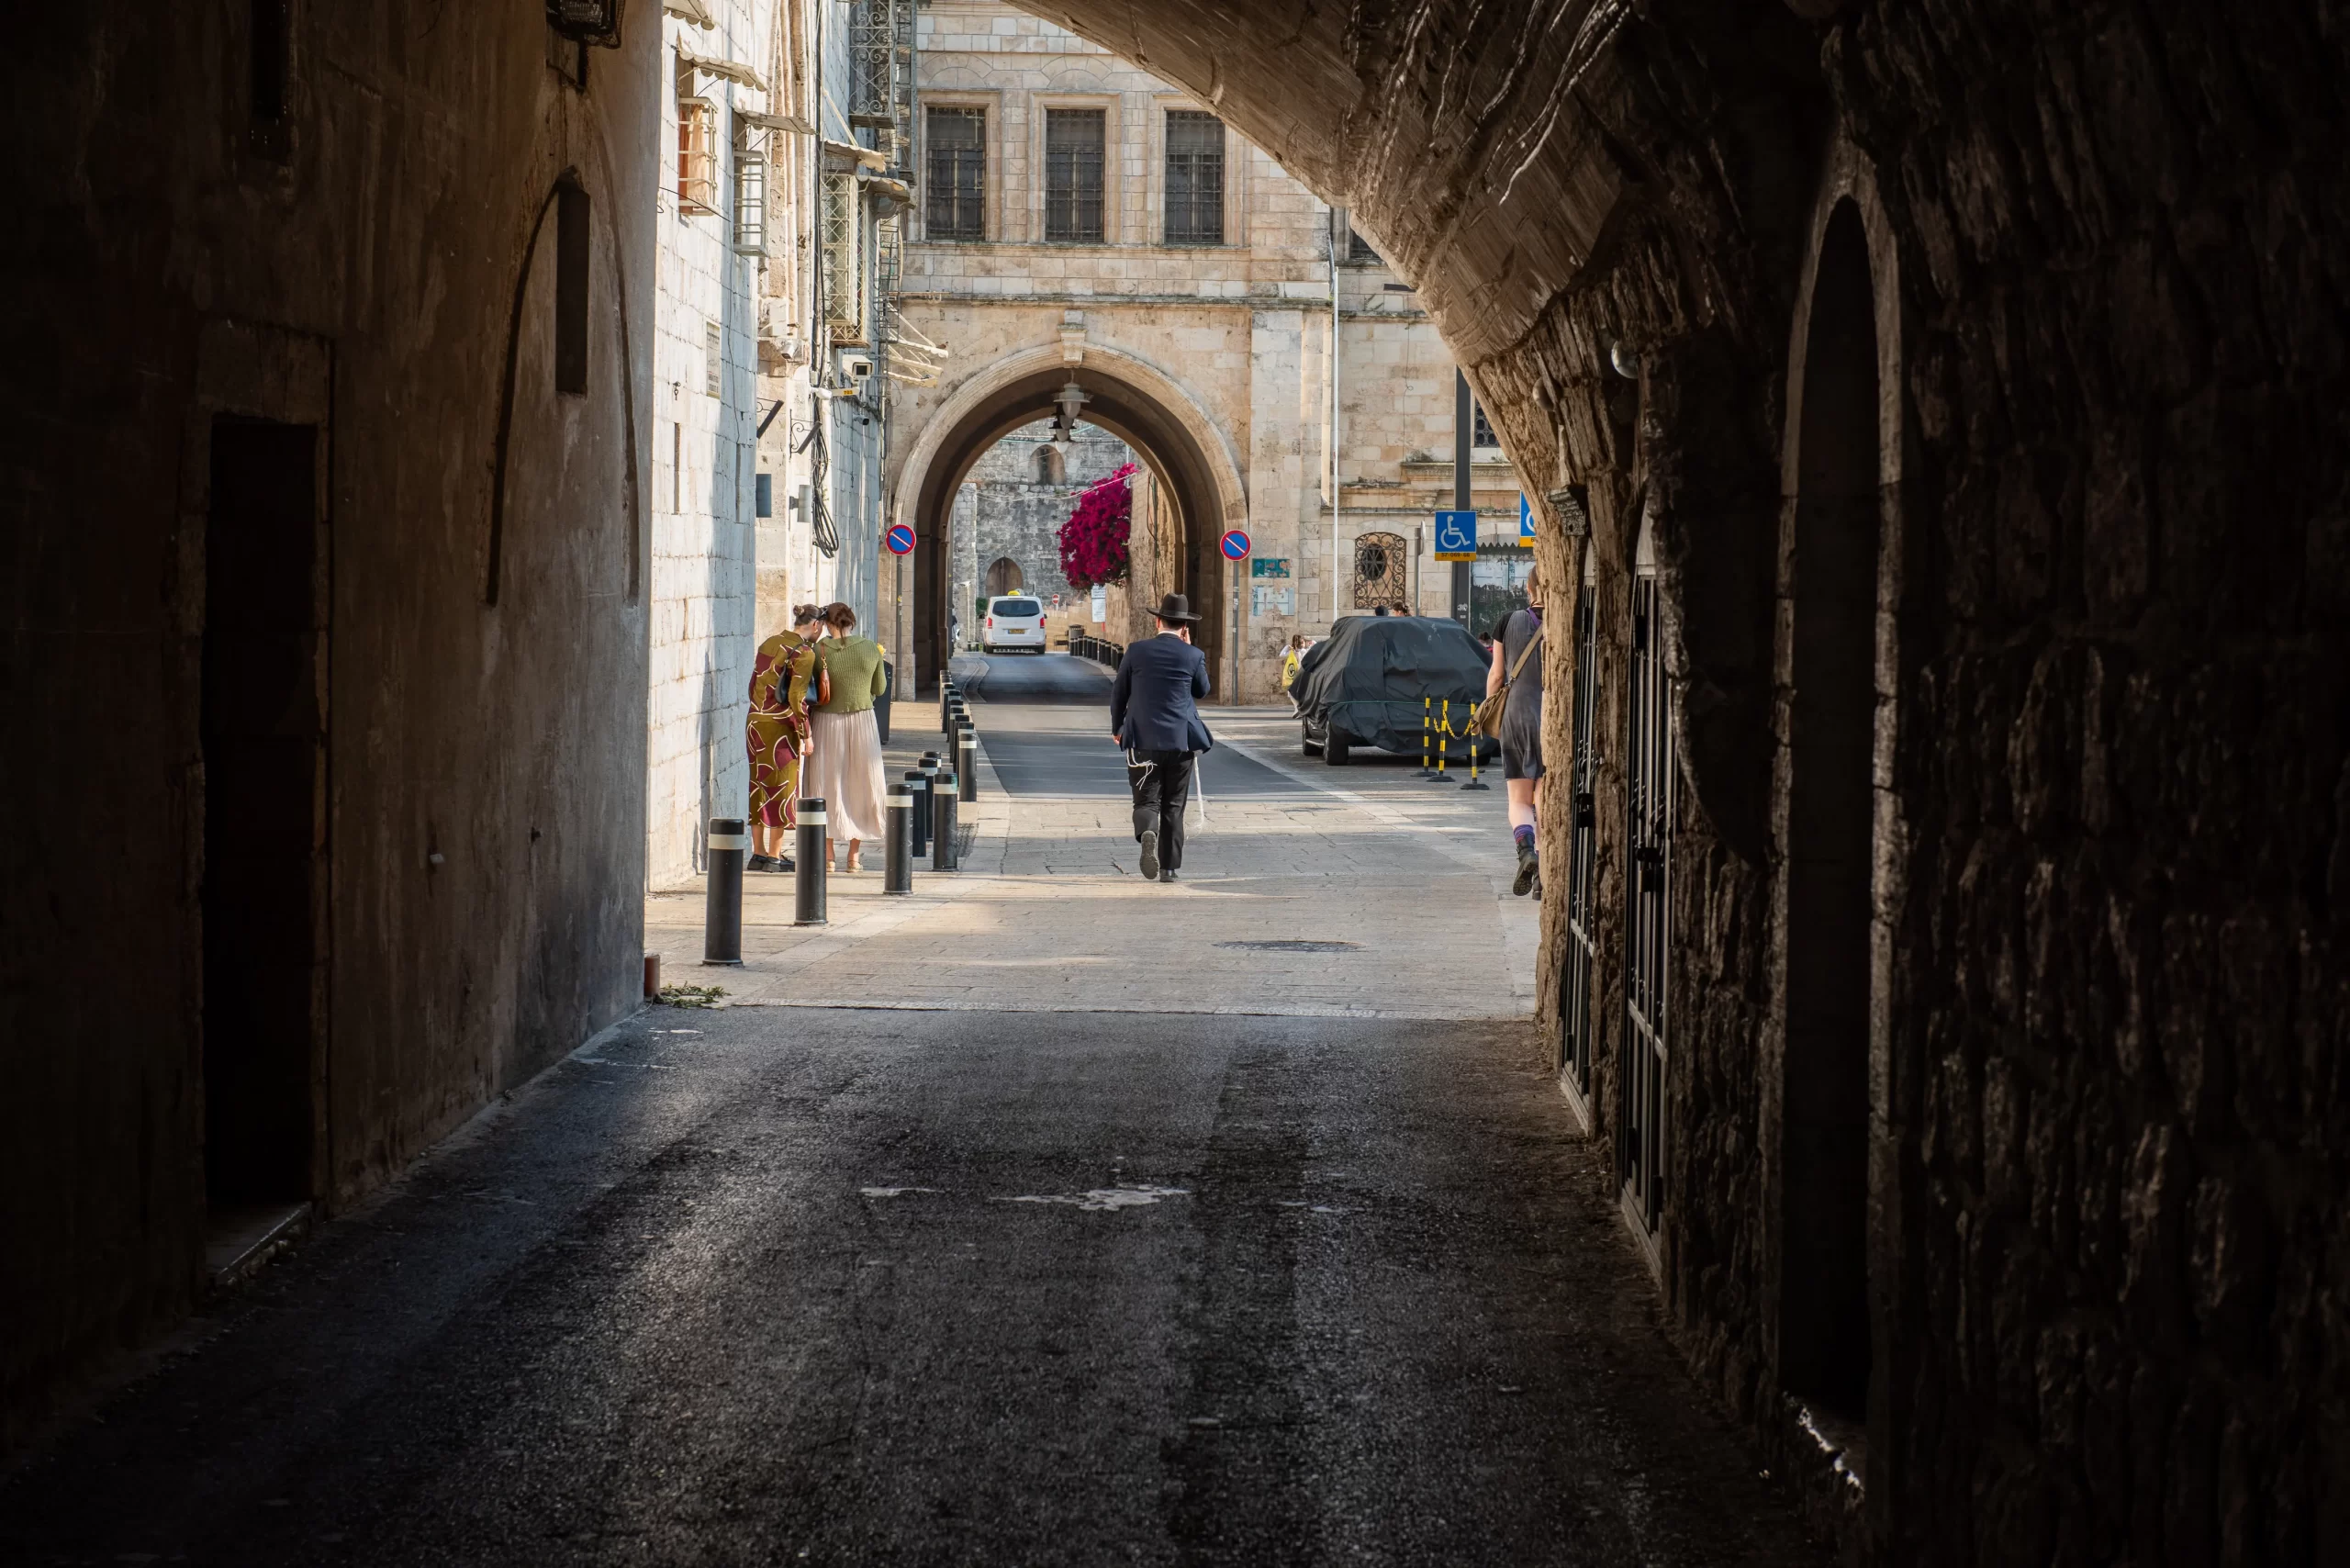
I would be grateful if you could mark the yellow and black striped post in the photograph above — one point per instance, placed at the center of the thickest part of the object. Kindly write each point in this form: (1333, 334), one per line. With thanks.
(1474, 741)
(1425, 723)
(1445, 745)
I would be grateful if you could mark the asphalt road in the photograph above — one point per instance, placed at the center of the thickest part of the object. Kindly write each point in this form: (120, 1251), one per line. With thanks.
(756, 1286)
(1044, 721)
(787, 1284)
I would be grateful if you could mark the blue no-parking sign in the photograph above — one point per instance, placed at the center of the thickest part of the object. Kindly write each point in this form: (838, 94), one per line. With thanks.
(1456, 536)
(900, 539)
(1524, 520)
(1234, 545)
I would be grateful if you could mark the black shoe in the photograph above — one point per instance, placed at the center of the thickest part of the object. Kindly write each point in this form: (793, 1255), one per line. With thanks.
(1529, 872)
(762, 863)
(1150, 852)
(1167, 875)
(786, 863)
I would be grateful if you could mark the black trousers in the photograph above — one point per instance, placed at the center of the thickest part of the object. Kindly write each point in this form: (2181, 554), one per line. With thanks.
(1161, 781)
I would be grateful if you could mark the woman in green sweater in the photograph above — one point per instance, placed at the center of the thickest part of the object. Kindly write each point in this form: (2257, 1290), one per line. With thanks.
(845, 770)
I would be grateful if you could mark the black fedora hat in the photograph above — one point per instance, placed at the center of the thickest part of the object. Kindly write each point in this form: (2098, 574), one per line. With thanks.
(1175, 607)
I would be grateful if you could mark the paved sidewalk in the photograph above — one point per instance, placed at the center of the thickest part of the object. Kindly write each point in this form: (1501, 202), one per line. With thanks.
(1380, 895)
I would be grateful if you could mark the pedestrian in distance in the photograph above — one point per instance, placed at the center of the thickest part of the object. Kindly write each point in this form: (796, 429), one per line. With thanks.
(1518, 669)
(777, 732)
(846, 771)
(1155, 715)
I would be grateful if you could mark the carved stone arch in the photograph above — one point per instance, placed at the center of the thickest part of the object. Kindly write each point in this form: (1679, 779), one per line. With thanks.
(1193, 466)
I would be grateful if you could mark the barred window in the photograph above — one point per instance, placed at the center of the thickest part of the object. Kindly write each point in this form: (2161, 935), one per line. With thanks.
(1481, 433)
(956, 186)
(1073, 140)
(1194, 178)
(696, 155)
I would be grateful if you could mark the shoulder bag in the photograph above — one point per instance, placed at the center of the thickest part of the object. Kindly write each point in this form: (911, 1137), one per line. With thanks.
(1488, 719)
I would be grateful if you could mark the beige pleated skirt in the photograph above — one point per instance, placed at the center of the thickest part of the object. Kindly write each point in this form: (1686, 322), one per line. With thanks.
(844, 768)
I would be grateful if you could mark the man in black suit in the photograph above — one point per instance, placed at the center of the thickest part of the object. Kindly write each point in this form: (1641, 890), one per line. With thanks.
(1154, 713)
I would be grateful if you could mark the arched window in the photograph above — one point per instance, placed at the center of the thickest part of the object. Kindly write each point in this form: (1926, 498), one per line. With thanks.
(1004, 577)
(1647, 927)
(1582, 823)
(1382, 572)
(1050, 468)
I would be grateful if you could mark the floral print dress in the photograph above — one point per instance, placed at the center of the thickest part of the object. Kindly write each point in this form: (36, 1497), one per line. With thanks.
(776, 732)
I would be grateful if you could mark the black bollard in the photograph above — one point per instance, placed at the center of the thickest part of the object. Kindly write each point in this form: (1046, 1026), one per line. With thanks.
(966, 763)
(898, 861)
(942, 821)
(946, 706)
(918, 828)
(808, 881)
(722, 926)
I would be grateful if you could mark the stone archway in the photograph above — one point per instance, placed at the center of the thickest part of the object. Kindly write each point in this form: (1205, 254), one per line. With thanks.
(1192, 470)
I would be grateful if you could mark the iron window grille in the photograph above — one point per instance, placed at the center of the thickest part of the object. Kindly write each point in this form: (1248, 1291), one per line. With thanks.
(696, 155)
(956, 187)
(1480, 432)
(1073, 143)
(1648, 928)
(750, 201)
(1382, 572)
(589, 21)
(843, 259)
(1194, 178)
(1583, 830)
(713, 359)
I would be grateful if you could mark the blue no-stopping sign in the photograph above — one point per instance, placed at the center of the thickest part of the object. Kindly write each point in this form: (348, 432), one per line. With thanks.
(1234, 545)
(901, 539)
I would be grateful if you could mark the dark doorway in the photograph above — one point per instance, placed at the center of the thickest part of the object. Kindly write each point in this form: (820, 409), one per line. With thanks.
(1824, 1317)
(264, 735)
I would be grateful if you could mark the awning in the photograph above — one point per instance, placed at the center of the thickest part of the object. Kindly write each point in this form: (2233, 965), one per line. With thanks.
(725, 69)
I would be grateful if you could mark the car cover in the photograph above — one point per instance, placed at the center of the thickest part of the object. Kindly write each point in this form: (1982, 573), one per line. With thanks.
(1369, 676)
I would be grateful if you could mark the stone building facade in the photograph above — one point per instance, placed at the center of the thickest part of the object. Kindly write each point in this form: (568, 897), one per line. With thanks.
(1110, 233)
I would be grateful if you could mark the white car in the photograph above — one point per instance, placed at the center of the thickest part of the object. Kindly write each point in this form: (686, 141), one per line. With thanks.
(1014, 621)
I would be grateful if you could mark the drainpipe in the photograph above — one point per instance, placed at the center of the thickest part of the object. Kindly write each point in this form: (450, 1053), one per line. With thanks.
(1338, 228)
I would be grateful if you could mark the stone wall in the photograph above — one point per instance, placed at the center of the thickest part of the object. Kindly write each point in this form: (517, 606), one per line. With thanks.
(371, 254)
(2103, 1089)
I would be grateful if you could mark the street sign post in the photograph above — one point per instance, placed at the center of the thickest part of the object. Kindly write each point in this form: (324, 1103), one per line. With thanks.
(1456, 535)
(1235, 544)
(900, 539)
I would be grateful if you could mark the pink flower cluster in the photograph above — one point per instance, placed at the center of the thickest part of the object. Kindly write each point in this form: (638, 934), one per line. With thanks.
(1093, 540)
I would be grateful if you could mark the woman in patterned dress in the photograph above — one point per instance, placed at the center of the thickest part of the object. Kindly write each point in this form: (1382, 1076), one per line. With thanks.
(777, 732)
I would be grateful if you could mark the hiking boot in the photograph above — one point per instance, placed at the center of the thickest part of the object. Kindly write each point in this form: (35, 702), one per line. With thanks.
(1529, 872)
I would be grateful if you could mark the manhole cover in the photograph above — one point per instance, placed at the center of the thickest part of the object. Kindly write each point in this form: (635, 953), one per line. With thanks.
(1295, 947)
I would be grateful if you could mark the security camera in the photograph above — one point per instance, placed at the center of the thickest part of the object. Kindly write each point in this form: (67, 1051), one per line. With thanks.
(858, 369)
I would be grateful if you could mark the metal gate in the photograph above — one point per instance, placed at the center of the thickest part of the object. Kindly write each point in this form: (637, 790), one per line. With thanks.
(1649, 772)
(1575, 984)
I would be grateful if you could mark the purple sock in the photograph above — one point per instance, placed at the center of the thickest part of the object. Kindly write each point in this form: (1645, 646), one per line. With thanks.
(1524, 834)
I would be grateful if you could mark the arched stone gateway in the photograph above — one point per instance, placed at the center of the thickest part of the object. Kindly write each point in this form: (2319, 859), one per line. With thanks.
(1192, 479)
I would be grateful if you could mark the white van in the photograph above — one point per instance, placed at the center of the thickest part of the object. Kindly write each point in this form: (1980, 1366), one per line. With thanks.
(1014, 621)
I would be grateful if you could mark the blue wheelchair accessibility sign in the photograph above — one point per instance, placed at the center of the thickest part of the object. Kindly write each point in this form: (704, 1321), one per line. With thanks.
(1456, 536)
